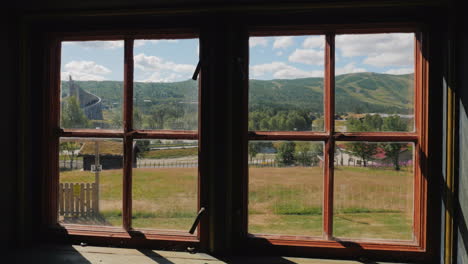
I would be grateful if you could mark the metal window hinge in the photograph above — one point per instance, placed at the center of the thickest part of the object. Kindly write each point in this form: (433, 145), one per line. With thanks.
(197, 71)
(197, 220)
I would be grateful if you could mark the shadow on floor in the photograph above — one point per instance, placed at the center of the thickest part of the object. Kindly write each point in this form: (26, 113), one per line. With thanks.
(41, 255)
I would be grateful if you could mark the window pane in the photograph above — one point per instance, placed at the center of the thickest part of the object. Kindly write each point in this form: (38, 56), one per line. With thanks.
(374, 82)
(90, 189)
(91, 87)
(165, 96)
(285, 187)
(286, 83)
(165, 184)
(374, 190)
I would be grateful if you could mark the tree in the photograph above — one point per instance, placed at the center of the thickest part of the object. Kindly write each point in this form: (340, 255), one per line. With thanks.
(253, 150)
(392, 150)
(137, 118)
(304, 153)
(363, 150)
(143, 146)
(68, 148)
(285, 154)
(255, 147)
(72, 115)
(376, 123)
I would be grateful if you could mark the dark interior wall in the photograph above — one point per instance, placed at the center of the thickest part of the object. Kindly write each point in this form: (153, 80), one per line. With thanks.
(8, 108)
(461, 200)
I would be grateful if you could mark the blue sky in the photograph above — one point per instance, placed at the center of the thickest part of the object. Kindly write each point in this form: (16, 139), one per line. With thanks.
(154, 60)
(303, 56)
(270, 57)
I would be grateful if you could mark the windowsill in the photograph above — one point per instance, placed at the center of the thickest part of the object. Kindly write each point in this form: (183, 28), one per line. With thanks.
(90, 255)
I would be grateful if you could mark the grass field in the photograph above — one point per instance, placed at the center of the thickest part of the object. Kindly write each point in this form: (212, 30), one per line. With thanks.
(369, 203)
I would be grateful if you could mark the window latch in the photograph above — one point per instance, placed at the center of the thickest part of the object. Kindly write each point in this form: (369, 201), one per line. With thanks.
(197, 71)
(197, 220)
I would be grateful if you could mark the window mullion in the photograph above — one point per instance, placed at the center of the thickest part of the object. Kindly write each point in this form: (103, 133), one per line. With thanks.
(329, 103)
(128, 137)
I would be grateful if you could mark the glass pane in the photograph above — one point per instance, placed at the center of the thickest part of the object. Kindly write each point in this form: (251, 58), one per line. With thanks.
(374, 190)
(90, 189)
(165, 184)
(285, 187)
(286, 83)
(165, 96)
(91, 87)
(374, 83)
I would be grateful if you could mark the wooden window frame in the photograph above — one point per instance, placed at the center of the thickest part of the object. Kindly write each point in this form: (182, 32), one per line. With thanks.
(138, 237)
(163, 238)
(419, 137)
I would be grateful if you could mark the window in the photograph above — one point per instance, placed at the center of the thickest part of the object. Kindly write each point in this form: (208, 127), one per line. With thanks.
(334, 138)
(333, 144)
(127, 148)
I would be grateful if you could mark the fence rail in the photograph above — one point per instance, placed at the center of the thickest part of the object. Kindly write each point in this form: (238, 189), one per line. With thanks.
(67, 164)
(165, 164)
(78, 199)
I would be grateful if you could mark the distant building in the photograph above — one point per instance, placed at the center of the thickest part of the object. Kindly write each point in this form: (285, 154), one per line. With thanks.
(110, 154)
(90, 103)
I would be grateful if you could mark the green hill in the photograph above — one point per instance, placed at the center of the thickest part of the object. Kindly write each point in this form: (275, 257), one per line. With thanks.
(356, 92)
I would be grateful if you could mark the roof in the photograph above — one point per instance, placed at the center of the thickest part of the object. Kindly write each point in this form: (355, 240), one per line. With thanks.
(109, 148)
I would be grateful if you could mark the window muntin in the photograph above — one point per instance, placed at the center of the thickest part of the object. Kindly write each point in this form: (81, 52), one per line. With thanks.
(413, 137)
(129, 151)
(410, 135)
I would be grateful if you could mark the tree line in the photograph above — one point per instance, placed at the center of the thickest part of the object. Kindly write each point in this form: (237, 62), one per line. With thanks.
(375, 123)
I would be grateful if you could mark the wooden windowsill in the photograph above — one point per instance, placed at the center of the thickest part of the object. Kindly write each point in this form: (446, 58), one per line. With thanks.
(73, 254)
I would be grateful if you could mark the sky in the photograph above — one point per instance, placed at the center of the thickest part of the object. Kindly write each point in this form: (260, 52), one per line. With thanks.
(284, 57)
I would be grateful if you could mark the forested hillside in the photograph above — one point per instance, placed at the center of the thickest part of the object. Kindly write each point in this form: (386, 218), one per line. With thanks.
(273, 102)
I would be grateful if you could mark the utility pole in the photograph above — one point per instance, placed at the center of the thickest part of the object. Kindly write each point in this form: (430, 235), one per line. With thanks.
(97, 171)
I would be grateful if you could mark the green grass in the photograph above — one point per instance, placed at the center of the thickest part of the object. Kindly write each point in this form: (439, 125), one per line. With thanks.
(170, 153)
(281, 200)
(288, 201)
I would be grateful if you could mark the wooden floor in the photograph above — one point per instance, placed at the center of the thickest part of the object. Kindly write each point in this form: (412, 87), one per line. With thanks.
(103, 255)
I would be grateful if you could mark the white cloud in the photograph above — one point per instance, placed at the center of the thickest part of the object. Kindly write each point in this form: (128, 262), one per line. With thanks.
(85, 70)
(110, 44)
(395, 49)
(389, 59)
(153, 63)
(158, 77)
(314, 42)
(258, 41)
(141, 42)
(279, 53)
(400, 71)
(349, 68)
(281, 70)
(283, 42)
(307, 56)
(157, 69)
